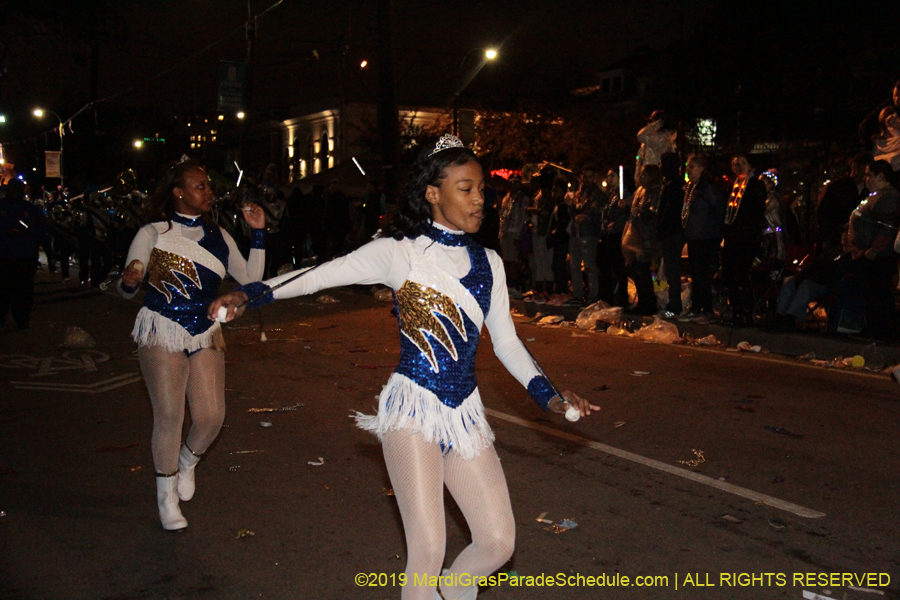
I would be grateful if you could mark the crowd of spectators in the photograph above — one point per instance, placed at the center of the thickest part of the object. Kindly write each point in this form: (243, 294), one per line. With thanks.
(699, 246)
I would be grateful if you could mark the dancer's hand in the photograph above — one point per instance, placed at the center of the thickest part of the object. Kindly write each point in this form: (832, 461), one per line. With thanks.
(254, 215)
(570, 398)
(133, 274)
(230, 303)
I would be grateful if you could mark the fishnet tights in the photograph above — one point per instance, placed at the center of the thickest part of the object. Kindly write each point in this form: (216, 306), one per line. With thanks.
(171, 376)
(418, 474)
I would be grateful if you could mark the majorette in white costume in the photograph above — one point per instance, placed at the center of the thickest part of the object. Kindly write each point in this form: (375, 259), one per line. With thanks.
(186, 259)
(446, 287)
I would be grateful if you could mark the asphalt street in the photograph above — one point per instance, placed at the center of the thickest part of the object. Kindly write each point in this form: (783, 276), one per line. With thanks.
(713, 474)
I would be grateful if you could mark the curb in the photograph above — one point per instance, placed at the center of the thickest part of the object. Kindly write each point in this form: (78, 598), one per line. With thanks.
(794, 344)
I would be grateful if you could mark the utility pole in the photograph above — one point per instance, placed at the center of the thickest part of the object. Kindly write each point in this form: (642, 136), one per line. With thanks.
(250, 33)
(342, 100)
(388, 112)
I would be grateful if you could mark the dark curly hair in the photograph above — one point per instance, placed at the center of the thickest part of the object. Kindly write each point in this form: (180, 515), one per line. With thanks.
(414, 216)
(161, 202)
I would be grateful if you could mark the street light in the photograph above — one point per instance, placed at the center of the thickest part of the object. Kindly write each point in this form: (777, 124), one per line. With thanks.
(489, 54)
(40, 113)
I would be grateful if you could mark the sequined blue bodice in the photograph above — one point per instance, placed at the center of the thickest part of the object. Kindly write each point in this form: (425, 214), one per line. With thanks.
(439, 341)
(177, 296)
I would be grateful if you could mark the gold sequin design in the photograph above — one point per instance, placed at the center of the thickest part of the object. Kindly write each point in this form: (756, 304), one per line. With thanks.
(418, 306)
(162, 269)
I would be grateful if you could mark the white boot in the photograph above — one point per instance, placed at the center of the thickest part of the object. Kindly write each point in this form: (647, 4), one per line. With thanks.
(187, 462)
(167, 499)
(470, 593)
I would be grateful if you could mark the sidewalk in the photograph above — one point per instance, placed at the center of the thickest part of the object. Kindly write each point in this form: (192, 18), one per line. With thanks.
(796, 344)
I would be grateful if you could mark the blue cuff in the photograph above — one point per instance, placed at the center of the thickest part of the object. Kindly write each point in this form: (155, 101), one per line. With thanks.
(541, 390)
(256, 292)
(257, 239)
(130, 290)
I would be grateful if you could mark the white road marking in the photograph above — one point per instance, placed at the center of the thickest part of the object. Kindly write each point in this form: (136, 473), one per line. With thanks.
(798, 510)
(814, 596)
(84, 388)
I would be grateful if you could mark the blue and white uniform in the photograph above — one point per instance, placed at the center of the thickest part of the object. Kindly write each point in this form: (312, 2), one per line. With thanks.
(446, 286)
(186, 259)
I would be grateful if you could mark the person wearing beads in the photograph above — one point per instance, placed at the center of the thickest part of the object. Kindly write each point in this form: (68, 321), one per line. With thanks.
(430, 420)
(180, 351)
(702, 214)
(742, 236)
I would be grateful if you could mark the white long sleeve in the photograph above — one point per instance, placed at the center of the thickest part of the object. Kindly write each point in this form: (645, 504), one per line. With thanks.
(244, 271)
(507, 345)
(380, 261)
(140, 249)
(386, 261)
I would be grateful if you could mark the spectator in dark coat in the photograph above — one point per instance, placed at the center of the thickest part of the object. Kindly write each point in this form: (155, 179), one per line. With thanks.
(742, 235)
(839, 199)
(336, 221)
(489, 234)
(873, 228)
(558, 237)
(701, 217)
(670, 232)
(22, 226)
(640, 244)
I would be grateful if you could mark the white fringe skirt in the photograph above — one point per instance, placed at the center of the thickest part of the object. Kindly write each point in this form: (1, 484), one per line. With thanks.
(153, 329)
(403, 404)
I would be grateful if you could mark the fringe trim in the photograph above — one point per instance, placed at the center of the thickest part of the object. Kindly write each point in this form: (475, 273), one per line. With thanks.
(153, 329)
(403, 404)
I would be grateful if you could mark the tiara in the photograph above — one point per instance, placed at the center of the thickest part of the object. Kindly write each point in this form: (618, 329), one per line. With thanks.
(446, 141)
(184, 158)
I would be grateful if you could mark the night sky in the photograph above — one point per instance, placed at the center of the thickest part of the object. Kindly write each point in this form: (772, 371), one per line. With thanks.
(147, 49)
(799, 69)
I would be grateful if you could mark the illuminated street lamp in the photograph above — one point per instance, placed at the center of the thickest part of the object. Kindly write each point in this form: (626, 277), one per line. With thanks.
(138, 143)
(240, 115)
(489, 54)
(40, 113)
